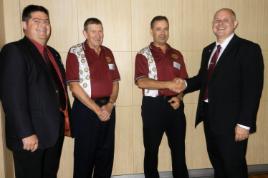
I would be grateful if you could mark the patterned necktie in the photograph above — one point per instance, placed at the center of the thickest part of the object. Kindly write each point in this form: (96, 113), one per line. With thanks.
(211, 68)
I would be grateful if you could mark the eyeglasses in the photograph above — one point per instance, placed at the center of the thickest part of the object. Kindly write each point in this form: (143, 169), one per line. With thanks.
(38, 21)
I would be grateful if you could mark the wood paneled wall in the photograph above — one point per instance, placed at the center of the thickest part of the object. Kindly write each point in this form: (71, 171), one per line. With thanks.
(126, 28)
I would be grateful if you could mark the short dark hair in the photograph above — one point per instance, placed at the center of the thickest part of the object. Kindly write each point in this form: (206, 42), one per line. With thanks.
(158, 18)
(91, 20)
(26, 13)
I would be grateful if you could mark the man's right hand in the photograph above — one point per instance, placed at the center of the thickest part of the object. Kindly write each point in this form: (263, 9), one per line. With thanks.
(103, 115)
(30, 143)
(177, 85)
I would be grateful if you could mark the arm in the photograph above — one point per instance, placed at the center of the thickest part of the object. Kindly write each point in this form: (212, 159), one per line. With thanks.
(252, 73)
(14, 96)
(146, 83)
(113, 97)
(80, 94)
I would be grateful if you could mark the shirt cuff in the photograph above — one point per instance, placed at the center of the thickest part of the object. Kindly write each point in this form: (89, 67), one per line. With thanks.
(185, 84)
(244, 127)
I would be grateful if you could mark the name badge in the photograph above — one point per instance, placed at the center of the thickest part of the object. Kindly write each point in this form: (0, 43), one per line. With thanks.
(111, 66)
(176, 65)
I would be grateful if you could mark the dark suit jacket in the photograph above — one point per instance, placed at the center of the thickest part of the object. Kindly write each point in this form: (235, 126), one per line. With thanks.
(28, 95)
(235, 86)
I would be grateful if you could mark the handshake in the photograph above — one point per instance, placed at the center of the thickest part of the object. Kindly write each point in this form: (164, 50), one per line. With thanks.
(177, 85)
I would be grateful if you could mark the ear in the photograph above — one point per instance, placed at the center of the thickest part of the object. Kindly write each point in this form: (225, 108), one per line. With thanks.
(235, 24)
(151, 32)
(24, 25)
(85, 33)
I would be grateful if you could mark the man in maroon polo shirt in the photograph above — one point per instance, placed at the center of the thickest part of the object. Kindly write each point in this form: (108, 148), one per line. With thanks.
(93, 78)
(157, 69)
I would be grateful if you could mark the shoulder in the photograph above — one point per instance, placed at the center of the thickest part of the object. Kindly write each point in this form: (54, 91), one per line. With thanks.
(209, 47)
(53, 51)
(144, 50)
(11, 46)
(247, 43)
(75, 48)
(176, 53)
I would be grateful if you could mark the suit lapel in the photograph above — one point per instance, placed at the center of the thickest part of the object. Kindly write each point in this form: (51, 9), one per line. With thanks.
(225, 56)
(38, 58)
(36, 54)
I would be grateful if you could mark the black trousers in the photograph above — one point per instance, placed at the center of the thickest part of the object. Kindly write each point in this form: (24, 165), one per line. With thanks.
(39, 164)
(159, 118)
(94, 142)
(227, 156)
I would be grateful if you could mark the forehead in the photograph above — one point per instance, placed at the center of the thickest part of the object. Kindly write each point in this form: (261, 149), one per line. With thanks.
(223, 14)
(160, 23)
(94, 27)
(39, 14)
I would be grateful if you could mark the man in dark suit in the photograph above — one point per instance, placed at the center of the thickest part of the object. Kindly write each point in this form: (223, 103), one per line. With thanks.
(34, 98)
(230, 81)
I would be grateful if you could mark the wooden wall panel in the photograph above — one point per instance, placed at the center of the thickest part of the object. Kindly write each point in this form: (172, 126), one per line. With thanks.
(123, 162)
(116, 19)
(124, 65)
(127, 30)
(142, 16)
(12, 20)
(195, 25)
(196, 154)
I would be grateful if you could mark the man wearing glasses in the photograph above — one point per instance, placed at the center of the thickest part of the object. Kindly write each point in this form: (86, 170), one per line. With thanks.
(34, 98)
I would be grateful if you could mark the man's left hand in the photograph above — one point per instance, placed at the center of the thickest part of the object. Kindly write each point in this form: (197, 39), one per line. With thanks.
(241, 133)
(174, 102)
(108, 108)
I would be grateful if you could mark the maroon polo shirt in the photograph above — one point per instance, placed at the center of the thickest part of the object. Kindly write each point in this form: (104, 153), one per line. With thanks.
(103, 70)
(169, 65)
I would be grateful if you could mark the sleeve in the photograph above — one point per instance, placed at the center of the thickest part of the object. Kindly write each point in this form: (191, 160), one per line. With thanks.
(252, 74)
(14, 90)
(141, 67)
(72, 68)
(115, 72)
(183, 71)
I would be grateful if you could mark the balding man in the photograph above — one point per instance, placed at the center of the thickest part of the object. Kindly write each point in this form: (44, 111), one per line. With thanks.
(230, 81)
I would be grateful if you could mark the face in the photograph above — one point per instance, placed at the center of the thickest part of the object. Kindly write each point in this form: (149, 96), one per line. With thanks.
(37, 27)
(94, 35)
(224, 24)
(160, 32)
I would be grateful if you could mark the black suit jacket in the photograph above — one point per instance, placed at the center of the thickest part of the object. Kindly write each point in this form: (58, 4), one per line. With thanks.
(235, 87)
(28, 95)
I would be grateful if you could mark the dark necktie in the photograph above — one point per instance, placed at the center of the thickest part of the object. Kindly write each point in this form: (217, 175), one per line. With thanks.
(56, 80)
(211, 68)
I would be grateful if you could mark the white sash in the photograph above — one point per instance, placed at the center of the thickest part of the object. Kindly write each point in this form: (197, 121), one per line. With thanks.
(84, 73)
(146, 52)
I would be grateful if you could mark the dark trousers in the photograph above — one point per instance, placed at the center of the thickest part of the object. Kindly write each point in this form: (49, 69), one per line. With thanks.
(227, 156)
(39, 164)
(94, 142)
(159, 117)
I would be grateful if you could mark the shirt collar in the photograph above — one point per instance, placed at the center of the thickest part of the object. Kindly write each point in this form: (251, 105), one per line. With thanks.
(39, 46)
(225, 42)
(87, 48)
(157, 49)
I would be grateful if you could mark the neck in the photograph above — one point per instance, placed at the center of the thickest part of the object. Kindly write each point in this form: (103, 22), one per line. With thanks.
(220, 40)
(41, 42)
(97, 49)
(163, 46)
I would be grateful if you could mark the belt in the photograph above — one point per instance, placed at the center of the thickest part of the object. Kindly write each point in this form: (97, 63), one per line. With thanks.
(161, 97)
(101, 101)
